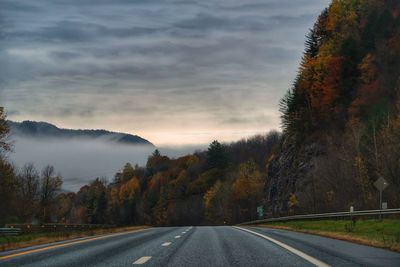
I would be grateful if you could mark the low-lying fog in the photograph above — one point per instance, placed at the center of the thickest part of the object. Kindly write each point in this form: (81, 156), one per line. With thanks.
(80, 161)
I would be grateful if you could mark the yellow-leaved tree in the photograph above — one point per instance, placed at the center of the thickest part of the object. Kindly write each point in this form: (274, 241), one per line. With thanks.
(248, 189)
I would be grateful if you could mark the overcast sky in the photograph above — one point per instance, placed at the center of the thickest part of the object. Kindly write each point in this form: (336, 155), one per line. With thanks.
(173, 72)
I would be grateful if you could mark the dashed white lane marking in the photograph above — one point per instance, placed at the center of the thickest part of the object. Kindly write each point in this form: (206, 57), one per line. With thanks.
(166, 244)
(308, 258)
(178, 236)
(183, 232)
(142, 260)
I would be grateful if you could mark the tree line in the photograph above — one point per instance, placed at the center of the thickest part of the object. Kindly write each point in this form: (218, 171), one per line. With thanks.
(222, 185)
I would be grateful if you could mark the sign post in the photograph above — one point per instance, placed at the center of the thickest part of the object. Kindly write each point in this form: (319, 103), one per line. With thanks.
(381, 185)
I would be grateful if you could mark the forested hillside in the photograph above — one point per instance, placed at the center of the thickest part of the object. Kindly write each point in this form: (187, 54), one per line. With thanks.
(219, 186)
(341, 117)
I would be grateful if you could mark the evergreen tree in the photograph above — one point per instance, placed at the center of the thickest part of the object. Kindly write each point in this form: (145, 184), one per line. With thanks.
(217, 157)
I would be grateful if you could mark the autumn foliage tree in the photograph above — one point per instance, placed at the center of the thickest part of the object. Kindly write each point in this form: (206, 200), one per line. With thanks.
(248, 189)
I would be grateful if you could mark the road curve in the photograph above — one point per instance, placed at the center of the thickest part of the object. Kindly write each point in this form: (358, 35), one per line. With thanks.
(202, 246)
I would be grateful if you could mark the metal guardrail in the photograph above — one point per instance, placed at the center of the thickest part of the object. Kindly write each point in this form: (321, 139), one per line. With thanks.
(10, 231)
(345, 214)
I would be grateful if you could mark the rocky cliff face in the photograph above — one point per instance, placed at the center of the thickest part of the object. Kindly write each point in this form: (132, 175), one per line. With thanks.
(287, 174)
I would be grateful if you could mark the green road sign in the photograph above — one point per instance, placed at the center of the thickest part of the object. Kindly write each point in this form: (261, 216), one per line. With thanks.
(260, 211)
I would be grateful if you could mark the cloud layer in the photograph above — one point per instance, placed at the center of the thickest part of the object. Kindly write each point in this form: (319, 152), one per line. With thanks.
(175, 72)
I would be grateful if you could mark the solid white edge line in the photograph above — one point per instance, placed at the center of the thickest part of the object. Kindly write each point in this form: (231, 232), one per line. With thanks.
(142, 260)
(308, 258)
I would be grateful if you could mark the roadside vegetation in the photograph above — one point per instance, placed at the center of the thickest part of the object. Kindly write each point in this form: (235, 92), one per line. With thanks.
(33, 239)
(377, 233)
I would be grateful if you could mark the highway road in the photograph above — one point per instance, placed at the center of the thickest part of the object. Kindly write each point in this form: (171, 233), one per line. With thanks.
(202, 246)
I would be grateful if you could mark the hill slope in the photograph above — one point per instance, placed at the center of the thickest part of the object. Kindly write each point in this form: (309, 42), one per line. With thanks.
(341, 117)
(47, 130)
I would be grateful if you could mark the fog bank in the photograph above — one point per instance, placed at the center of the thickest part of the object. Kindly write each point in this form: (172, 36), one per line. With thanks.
(80, 161)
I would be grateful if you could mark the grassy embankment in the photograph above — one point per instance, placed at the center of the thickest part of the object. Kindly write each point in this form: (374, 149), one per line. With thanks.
(382, 234)
(26, 240)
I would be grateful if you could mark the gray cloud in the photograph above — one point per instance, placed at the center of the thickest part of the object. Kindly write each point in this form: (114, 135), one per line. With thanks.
(149, 66)
(76, 31)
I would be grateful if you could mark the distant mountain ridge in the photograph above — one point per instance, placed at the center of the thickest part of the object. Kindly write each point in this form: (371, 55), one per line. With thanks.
(47, 130)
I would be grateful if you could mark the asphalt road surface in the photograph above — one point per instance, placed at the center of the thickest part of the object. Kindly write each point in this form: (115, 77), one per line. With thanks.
(202, 246)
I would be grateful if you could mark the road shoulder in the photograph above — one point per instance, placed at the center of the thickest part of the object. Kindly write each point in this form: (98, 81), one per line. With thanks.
(333, 251)
(48, 243)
